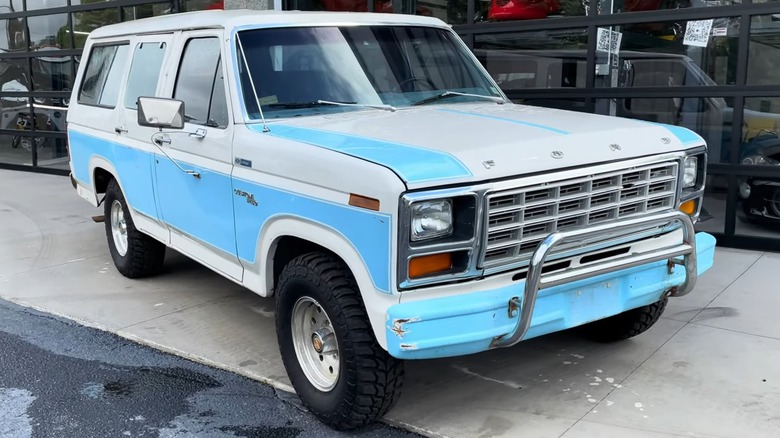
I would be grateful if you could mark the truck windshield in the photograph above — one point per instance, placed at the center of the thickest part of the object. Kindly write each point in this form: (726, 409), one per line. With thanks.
(295, 69)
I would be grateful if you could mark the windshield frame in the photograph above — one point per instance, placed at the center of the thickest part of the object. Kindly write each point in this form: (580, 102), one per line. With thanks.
(458, 45)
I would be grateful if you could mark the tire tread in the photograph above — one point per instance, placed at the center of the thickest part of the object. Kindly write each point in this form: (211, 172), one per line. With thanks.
(145, 255)
(379, 377)
(627, 324)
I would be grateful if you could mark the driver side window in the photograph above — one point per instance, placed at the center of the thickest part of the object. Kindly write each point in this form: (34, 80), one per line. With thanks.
(200, 83)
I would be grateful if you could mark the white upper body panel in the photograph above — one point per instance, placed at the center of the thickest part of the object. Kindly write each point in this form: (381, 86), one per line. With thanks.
(443, 144)
(240, 18)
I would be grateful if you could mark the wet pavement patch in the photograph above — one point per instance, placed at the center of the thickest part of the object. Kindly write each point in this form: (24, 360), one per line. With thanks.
(60, 379)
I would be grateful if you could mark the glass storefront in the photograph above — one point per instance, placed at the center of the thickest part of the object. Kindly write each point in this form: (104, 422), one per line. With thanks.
(712, 66)
(40, 49)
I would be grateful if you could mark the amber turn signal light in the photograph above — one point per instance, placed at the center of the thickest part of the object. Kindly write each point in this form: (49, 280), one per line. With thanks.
(363, 202)
(688, 207)
(429, 264)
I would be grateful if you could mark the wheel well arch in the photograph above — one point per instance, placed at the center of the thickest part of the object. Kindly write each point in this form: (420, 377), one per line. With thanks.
(101, 178)
(286, 248)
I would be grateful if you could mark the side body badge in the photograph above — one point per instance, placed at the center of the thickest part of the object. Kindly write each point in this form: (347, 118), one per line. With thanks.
(250, 198)
(556, 154)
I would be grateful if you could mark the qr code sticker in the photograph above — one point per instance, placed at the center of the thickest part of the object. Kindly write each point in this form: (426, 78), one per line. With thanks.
(608, 40)
(697, 33)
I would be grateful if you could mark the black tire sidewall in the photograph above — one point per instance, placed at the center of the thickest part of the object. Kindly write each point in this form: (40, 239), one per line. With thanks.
(318, 401)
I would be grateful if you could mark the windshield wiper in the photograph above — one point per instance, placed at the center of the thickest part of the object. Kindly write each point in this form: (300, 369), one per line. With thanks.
(448, 94)
(312, 104)
(359, 105)
(316, 103)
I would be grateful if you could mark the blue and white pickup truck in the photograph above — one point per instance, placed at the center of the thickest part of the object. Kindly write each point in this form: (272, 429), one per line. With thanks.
(366, 171)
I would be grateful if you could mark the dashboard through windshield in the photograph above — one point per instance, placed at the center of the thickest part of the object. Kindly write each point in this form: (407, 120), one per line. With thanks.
(312, 70)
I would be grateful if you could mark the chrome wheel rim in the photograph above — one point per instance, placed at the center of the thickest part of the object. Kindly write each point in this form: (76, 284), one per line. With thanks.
(119, 228)
(315, 344)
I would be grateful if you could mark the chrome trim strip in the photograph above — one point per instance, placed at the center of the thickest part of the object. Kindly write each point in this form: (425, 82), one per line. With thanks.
(535, 281)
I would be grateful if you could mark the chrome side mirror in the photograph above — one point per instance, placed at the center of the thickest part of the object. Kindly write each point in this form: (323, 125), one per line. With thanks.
(159, 112)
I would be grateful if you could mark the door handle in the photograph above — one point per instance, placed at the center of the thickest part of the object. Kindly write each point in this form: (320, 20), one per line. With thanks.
(199, 133)
(162, 139)
(120, 130)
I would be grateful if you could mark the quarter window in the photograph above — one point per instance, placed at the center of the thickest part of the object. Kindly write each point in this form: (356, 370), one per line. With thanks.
(200, 84)
(144, 72)
(102, 78)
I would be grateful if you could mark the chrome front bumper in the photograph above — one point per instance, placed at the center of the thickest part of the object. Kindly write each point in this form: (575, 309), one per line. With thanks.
(535, 281)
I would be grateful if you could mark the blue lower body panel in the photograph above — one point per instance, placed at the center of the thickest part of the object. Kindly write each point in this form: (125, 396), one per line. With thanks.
(467, 323)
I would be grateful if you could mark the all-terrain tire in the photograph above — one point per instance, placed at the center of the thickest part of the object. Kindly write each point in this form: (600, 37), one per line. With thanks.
(144, 255)
(369, 380)
(625, 325)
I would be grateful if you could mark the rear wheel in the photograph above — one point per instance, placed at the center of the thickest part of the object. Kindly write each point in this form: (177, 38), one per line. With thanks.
(134, 253)
(625, 325)
(328, 348)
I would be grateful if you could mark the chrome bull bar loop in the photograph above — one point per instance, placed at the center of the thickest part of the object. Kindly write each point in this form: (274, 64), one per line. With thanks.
(535, 281)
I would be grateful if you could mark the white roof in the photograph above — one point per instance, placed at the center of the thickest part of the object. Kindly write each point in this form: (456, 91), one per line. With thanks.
(244, 17)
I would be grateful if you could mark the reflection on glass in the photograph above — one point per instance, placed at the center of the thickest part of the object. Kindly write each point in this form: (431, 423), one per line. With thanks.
(712, 218)
(54, 152)
(13, 29)
(541, 59)
(710, 117)
(618, 6)
(658, 55)
(338, 5)
(87, 21)
(49, 32)
(12, 153)
(146, 11)
(44, 4)
(449, 11)
(761, 131)
(759, 204)
(764, 53)
(512, 10)
(52, 72)
(202, 5)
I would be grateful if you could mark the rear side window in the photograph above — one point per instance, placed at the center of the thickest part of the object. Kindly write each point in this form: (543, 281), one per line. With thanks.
(144, 72)
(102, 78)
(200, 84)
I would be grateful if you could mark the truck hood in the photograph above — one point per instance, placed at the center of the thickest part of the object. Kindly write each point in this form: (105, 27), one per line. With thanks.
(449, 144)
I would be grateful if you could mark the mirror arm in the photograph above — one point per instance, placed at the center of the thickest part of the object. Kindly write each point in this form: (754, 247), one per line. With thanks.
(159, 141)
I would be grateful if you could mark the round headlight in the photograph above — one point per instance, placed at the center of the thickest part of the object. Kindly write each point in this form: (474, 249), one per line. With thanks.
(690, 171)
(431, 219)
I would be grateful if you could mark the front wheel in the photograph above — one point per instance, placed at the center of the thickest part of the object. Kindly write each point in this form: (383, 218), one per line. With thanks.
(625, 325)
(338, 369)
(134, 253)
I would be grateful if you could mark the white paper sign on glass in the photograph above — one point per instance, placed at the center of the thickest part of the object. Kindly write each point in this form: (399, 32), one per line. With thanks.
(608, 40)
(697, 33)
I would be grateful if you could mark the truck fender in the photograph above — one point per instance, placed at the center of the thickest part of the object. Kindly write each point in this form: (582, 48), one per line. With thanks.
(261, 280)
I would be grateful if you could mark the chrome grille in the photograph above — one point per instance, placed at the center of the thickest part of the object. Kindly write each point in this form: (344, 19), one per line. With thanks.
(518, 219)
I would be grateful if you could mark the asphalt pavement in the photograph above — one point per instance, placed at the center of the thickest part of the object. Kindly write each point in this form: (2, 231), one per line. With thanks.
(60, 379)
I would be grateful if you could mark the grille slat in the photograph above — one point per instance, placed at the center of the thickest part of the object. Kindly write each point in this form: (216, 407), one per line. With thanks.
(518, 219)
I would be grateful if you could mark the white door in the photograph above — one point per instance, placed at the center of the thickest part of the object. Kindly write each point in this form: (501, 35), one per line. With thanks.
(145, 78)
(197, 206)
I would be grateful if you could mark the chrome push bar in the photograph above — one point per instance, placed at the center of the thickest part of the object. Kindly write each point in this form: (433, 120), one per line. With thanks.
(535, 281)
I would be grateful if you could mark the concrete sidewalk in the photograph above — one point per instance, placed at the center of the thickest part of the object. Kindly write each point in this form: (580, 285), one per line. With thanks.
(708, 368)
